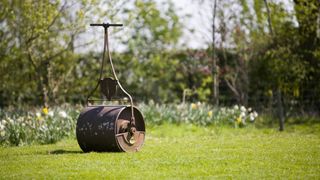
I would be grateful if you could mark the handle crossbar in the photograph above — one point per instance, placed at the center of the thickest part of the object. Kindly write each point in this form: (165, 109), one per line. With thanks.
(106, 25)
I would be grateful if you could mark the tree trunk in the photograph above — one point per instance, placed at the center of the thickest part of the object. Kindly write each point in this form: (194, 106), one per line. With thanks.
(278, 91)
(215, 70)
(280, 110)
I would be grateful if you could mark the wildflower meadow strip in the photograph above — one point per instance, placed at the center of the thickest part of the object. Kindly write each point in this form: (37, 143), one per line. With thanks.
(49, 125)
(45, 125)
(198, 114)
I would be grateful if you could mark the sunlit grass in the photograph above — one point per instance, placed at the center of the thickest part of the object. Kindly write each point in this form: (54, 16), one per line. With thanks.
(184, 151)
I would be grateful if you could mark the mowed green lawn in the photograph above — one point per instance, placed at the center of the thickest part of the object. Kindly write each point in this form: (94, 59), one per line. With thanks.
(178, 152)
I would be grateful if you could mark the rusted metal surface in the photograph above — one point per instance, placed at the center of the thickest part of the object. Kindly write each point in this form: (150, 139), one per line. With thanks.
(108, 128)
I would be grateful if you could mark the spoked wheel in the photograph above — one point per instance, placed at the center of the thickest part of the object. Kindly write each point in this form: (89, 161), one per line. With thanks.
(130, 138)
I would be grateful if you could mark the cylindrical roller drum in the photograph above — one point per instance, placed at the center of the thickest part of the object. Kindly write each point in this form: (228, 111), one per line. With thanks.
(108, 128)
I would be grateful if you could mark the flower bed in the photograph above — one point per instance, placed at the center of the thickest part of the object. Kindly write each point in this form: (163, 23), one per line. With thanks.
(49, 125)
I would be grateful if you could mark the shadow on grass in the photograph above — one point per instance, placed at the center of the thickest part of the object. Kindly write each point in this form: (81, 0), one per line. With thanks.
(61, 151)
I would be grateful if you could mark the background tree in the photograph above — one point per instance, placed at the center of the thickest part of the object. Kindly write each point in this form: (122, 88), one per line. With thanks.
(38, 48)
(41, 36)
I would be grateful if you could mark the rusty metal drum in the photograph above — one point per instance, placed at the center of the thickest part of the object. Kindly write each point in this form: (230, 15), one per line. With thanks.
(108, 128)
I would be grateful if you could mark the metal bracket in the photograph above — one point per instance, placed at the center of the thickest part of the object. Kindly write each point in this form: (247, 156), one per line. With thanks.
(108, 87)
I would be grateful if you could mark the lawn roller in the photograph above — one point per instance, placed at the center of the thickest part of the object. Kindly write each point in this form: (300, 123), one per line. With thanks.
(114, 128)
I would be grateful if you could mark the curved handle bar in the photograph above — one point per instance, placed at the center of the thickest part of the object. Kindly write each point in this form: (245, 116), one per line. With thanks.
(106, 47)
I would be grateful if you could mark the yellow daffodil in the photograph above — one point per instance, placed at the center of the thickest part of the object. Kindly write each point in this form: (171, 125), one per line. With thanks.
(210, 114)
(45, 110)
(239, 120)
(194, 106)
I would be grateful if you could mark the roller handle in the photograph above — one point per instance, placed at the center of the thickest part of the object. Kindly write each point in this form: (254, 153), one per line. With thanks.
(106, 25)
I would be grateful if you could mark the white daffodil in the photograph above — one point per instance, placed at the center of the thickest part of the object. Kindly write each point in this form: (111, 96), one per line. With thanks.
(38, 114)
(251, 115)
(4, 122)
(243, 109)
(43, 128)
(20, 119)
(50, 113)
(10, 121)
(1, 127)
(243, 114)
(63, 114)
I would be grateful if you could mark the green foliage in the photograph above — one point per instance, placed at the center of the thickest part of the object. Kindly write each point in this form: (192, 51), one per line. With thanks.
(264, 62)
(258, 8)
(285, 61)
(153, 32)
(41, 37)
(152, 29)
